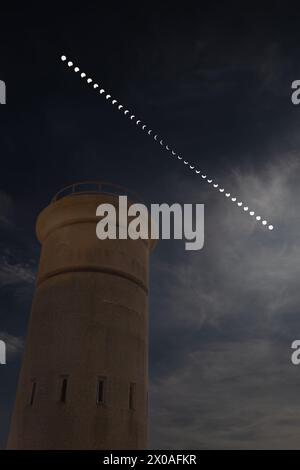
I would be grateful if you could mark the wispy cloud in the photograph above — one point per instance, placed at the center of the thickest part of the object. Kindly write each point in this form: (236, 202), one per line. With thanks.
(14, 274)
(14, 344)
(225, 317)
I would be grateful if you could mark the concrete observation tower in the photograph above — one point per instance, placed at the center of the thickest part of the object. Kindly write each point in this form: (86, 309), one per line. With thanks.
(84, 378)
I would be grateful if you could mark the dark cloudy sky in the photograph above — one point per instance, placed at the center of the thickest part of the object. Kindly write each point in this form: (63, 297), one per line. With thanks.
(215, 82)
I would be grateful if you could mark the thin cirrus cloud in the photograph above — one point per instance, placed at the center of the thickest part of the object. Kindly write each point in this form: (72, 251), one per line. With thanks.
(14, 274)
(223, 321)
(14, 344)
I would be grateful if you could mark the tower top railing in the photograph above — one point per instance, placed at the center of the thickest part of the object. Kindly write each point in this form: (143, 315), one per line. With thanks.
(96, 187)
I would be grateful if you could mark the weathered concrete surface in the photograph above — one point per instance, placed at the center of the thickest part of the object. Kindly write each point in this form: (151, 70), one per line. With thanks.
(89, 318)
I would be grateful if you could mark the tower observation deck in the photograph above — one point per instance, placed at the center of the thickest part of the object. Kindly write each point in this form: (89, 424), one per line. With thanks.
(84, 377)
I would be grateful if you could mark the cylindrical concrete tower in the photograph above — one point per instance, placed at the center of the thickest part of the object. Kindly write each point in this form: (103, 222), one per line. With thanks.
(84, 377)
